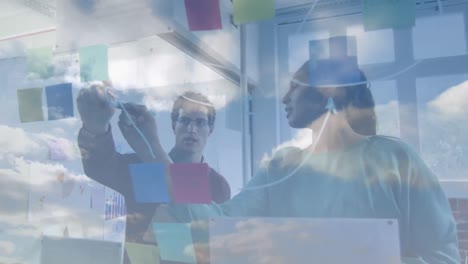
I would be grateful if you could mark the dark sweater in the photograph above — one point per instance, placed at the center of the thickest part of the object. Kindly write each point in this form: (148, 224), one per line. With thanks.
(102, 163)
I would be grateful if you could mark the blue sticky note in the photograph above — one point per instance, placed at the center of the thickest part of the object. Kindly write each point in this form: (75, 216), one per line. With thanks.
(175, 242)
(59, 101)
(149, 183)
(381, 14)
(342, 46)
(330, 72)
(319, 49)
(94, 63)
(334, 47)
(338, 47)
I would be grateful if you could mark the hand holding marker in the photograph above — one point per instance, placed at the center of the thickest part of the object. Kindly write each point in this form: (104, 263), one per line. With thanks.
(113, 102)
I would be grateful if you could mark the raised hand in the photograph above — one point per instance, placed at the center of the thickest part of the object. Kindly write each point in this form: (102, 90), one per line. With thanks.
(95, 109)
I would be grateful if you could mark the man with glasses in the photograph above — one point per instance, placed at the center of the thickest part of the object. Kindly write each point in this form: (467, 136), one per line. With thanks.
(193, 117)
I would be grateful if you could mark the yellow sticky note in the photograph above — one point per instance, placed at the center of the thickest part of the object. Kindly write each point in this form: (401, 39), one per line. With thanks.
(142, 253)
(246, 11)
(30, 105)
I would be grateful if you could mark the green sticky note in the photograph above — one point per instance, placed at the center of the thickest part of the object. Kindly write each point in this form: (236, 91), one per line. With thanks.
(175, 242)
(142, 254)
(381, 14)
(94, 63)
(30, 105)
(246, 11)
(39, 62)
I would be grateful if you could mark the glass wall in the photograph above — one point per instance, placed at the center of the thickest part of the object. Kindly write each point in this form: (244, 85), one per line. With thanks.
(233, 131)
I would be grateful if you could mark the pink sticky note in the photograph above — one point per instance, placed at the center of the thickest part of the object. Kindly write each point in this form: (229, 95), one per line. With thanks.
(190, 183)
(203, 14)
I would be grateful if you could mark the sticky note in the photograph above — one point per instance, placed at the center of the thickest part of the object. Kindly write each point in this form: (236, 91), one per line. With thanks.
(68, 184)
(59, 101)
(97, 198)
(39, 62)
(174, 242)
(318, 50)
(114, 205)
(340, 71)
(334, 47)
(380, 14)
(86, 6)
(94, 63)
(342, 46)
(149, 183)
(203, 14)
(142, 254)
(190, 183)
(246, 11)
(30, 105)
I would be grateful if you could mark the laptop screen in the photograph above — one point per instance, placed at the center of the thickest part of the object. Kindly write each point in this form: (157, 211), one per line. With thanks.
(304, 240)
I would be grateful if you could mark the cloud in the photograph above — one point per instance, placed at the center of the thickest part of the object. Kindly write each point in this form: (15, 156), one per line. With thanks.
(388, 119)
(16, 141)
(219, 92)
(443, 124)
(7, 247)
(452, 103)
(301, 139)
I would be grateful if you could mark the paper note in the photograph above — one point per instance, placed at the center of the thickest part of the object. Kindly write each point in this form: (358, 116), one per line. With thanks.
(40, 62)
(203, 14)
(97, 200)
(380, 14)
(59, 101)
(49, 186)
(67, 182)
(114, 204)
(149, 183)
(61, 149)
(94, 62)
(174, 242)
(246, 11)
(190, 183)
(114, 229)
(30, 105)
(330, 72)
(142, 254)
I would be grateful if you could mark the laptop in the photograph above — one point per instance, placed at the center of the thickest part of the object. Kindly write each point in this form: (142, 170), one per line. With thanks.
(57, 250)
(304, 240)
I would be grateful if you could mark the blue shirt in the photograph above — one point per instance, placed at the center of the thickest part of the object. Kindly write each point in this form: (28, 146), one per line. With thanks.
(379, 177)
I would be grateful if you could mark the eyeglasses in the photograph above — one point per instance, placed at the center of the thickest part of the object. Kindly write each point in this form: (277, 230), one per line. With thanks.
(199, 122)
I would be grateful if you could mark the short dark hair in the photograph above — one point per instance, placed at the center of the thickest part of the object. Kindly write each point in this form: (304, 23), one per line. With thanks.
(191, 97)
(358, 95)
